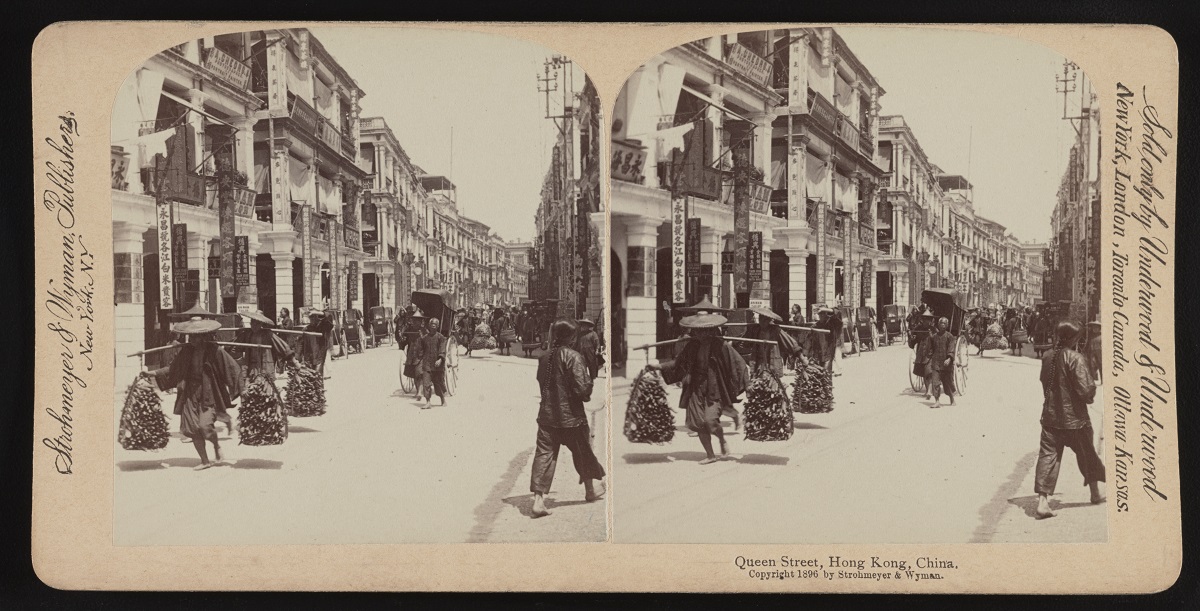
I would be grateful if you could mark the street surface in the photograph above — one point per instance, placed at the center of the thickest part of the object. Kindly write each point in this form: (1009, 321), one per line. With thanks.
(882, 467)
(374, 469)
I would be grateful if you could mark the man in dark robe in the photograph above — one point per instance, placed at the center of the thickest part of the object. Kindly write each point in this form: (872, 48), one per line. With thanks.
(588, 346)
(431, 364)
(565, 385)
(260, 360)
(941, 362)
(206, 380)
(316, 347)
(713, 374)
(1068, 389)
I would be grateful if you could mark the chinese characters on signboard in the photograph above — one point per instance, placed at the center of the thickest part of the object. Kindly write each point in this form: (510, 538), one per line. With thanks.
(241, 260)
(756, 256)
(166, 279)
(678, 250)
(306, 230)
(726, 262)
(179, 252)
(352, 286)
(749, 64)
(822, 257)
(867, 273)
(693, 248)
(627, 161)
(228, 68)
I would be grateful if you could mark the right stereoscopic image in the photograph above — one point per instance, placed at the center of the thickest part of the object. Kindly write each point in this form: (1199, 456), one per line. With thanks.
(854, 291)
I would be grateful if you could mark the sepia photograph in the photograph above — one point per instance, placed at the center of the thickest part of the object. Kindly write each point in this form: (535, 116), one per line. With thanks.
(856, 287)
(358, 295)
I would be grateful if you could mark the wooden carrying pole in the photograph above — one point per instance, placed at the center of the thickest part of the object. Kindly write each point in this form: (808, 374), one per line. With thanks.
(273, 331)
(161, 348)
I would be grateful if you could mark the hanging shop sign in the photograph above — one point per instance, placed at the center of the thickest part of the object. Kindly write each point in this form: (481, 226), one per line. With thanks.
(692, 174)
(179, 252)
(166, 278)
(214, 267)
(693, 248)
(867, 273)
(627, 161)
(823, 262)
(756, 256)
(749, 63)
(352, 286)
(228, 68)
(174, 173)
(726, 263)
(241, 260)
(678, 249)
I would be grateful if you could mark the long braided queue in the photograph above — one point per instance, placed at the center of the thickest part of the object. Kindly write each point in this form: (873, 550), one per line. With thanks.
(648, 417)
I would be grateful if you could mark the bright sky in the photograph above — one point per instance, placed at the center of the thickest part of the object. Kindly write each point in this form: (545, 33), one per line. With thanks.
(987, 98)
(423, 82)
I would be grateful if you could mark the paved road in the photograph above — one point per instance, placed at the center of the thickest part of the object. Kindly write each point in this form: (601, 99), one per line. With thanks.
(374, 469)
(883, 467)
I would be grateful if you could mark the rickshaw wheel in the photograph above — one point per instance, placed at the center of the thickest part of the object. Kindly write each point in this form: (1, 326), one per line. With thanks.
(961, 363)
(451, 379)
(916, 382)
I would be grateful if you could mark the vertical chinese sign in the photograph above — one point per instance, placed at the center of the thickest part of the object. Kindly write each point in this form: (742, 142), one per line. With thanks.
(821, 254)
(241, 260)
(166, 279)
(868, 271)
(352, 283)
(678, 249)
(306, 231)
(225, 217)
(335, 267)
(755, 254)
(693, 258)
(583, 259)
(179, 264)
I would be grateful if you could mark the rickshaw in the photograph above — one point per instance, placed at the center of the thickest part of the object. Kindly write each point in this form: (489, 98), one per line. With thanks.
(408, 334)
(381, 325)
(950, 304)
(864, 331)
(352, 331)
(437, 303)
(922, 326)
(892, 323)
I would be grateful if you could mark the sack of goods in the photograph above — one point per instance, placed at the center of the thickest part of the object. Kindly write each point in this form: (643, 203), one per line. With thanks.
(483, 342)
(648, 418)
(262, 418)
(812, 391)
(767, 415)
(995, 342)
(508, 336)
(143, 423)
(305, 394)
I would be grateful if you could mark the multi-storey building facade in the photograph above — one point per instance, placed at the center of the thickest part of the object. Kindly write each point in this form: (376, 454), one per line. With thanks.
(809, 108)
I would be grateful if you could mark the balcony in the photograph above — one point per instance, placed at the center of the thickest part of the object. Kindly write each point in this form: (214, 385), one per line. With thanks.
(307, 119)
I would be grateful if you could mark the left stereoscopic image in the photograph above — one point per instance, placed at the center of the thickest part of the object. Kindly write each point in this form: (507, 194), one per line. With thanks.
(358, 292)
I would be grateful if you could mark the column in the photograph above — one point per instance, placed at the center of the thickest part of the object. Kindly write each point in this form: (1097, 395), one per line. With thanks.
(196, 120)
(247, 297)
(798, 279)
(762, 157)
(244, 138)
(641, 296)
(198, 246)
(129, 322)
(285, 297)
(711, 243)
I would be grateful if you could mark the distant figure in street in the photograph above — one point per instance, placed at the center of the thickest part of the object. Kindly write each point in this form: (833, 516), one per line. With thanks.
(1014, 330)
(259, 360)
(505, 335)
(713, 376)
(941, 362)
(316, 348)
(431, 364)
(285, 319)
(565, 385)
(207, 381)
(797, 315)
(587, 344)
(1068, 389)
(830, 320)
(529, 333)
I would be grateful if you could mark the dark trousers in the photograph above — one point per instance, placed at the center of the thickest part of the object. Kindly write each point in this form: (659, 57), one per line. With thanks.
(430, 383)
(545, 458)
(1050, 457)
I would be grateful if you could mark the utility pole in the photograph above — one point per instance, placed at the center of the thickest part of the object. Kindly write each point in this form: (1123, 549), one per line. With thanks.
(553, 69)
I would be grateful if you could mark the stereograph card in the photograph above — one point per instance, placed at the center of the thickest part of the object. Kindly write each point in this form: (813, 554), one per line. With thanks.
(809, 307)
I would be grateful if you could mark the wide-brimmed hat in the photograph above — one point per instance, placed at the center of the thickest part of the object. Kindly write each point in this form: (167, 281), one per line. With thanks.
(317, 313)
(704, 305)
(584, 321)
(703, 321)
(196, 326)
(258, 316)
(767, 313)
(194, 311)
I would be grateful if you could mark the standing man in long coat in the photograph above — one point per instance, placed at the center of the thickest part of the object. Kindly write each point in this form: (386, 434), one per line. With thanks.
(316, 347)
(941, 362)
(207, 380)
(713, 374)
(259, 360)
(565, 386)
(431, 364)
(588, 346)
